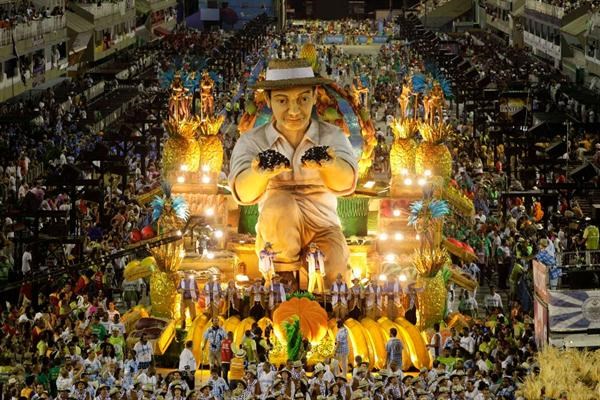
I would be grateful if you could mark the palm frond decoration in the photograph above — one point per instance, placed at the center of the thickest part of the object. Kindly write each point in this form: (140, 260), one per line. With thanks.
(419, 82)
(294, 338)
(179, 206)
(438, 76)
(300, 295)
(433, 209)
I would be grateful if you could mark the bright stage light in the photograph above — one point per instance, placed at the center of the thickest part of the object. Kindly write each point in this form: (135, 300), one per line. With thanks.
(402, 278)
(209, 212)
(421, 181)
(205, 168)
(390, 258)
(396, 212)
(180, 179)
(178, 233)
(427, 172)
(382, 277)
(383, 237)
(408, 181)
(369, 184)
(218, 234)
(242, 278)
(398, 236)
(210, 255)
(183, 168)
(205, 179)
(356, 272)
(417, 237)
(403, 171)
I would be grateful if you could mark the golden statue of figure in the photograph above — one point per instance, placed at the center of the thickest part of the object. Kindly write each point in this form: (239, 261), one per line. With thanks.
(436, 104)
(359, 93)
(170, 214)
(180, 100)
(206, 95)
(404, 98)
(296, 191)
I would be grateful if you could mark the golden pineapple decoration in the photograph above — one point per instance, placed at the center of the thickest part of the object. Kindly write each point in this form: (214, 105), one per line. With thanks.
(432, 154)
(211, 147)
(181, 148)
(402, 153)
(309, 53)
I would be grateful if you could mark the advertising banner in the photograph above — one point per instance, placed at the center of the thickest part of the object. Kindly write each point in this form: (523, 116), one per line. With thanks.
(380, 39)
(334, 39)
(574, 310)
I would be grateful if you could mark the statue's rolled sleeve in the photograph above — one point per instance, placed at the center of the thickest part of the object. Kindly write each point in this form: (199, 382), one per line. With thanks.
(332, 137)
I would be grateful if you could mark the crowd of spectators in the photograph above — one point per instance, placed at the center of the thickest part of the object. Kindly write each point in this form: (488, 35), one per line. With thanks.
(65, 339)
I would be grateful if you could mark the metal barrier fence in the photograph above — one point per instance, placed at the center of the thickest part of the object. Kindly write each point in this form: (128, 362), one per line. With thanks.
(32, 29)
(578, 258)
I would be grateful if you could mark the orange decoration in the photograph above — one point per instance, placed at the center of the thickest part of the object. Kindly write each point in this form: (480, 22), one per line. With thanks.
(313, 318)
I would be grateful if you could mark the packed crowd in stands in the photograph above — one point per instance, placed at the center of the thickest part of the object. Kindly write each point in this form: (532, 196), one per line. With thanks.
(569, 5)
(65, 339)
(20, 12)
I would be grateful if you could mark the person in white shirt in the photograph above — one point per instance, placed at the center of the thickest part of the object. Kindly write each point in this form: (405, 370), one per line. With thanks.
(26, 261)
(493, 300)
(144, 352)
(187, 363)
(266, 376)
(467, 342)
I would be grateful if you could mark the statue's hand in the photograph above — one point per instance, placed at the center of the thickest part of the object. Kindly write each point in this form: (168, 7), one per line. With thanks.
(318, 157)
(269, 172)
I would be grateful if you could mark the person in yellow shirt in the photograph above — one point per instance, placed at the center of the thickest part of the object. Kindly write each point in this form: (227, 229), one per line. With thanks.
(590, 239)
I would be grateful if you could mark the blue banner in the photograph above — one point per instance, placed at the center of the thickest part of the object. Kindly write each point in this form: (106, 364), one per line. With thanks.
(334, 39)
(380, 39)
(362, 39)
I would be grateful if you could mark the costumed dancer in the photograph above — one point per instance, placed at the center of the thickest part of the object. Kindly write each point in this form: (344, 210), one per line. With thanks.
(392, 299)
(257, 303)
(232, 306)
(316, 268)
(356, 298)
(339, 298)
(266, 264)
(373, 300)
(212, 296)
(276, 294)
(189, 296)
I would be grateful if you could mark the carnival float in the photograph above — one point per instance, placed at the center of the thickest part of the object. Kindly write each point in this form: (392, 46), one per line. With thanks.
(394, 228)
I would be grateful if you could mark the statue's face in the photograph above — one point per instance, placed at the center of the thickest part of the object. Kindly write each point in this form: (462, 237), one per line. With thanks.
(292, 108)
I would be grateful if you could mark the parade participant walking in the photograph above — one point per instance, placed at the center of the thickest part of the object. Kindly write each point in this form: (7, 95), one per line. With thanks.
(187, 363)
(342, 348)
(339, 297)
(393, 349)
(144, 352)
(214, 336)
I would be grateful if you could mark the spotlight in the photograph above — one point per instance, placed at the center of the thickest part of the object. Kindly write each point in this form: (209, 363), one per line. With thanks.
(356, 272)
(178, 233)
(205, 179)
(421, 181)
(369, 184)
(402, 278)
(382, 277)
(408, 181)
(398, 236)
(242, 278)
(396, 212)
(209, 212)
(180, 179)
(210, 255)
(417, 237)
(427, 172)
(383, 237)
(183, 168)
(205, 168)
(218, 234)
(390, 258)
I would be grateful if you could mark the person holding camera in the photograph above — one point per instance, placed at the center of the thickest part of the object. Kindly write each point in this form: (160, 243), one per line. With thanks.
(187, 364)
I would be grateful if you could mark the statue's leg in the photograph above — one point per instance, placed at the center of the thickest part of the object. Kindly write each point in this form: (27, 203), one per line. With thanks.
(332, 243)
(279, 223)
